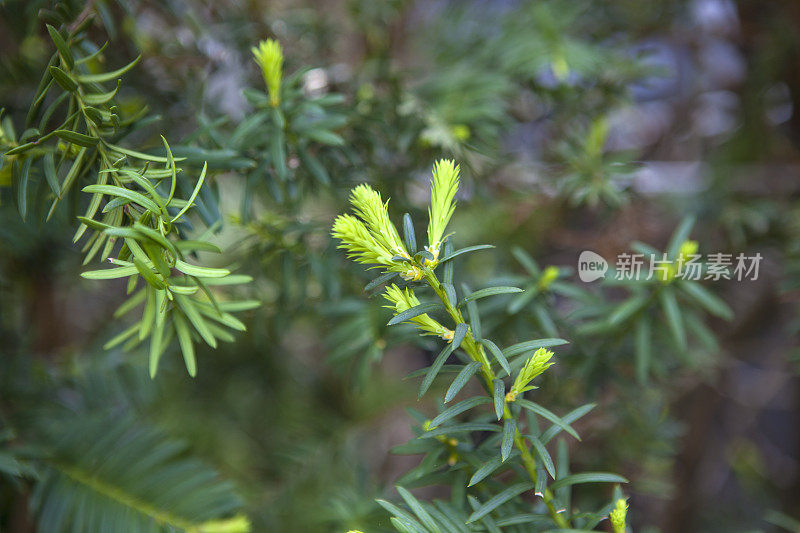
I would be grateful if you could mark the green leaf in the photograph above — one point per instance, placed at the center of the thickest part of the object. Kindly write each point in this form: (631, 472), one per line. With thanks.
(434, 369)
(101, 98)
(498, 354)
(22, 187)
(447, 274)
(468, 249)
(122, 337)
(325, 137)
(548, 415)
(681, 234)
(627, 309)
(185, 340)
(527, 262)
(380, 280)
(450, 292)
(457, 409)
(474, 316)
(544, 455)
(156, 348)
(418, 510)
(156, 237)
(197, 246)
(140, 155)
(277, 145)
(490, 291)
(314, 166)
(76, 138)
(199, 271)
(402, 514)
(507, 442)
(467, 427)
(190, 311)
(459, 334)
(712, 303)
(528, 346)
(518, 302)
(110, 273)
(491, 526)
(196, 190)
(587, 477)
(147, 273)
(672, 312)
(408, 232)
(495, 502)
(499, 398)
(66, 81)
(569, 418)
(643, 349)
(61, 45)
(108, 76)
(461, 379)
(50, 173)
(487, 468)
(415, 311)
(564, 494)
(121, 192)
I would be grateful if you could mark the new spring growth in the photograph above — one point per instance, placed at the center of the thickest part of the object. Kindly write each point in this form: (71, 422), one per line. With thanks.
(371, 238)
(269, 57)
(538, 363)
(685, 253)
(617, 516)
(549, 275)
(402, 300)
(444, 186)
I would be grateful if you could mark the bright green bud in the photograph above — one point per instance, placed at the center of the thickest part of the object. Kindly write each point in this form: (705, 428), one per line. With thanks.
(598, 133)
(361, 246)
(237, 524)
(375, 214)
(617, 516)
(460, 131)
(549, 275)
(687, 249)
(560, 67)
(444, 185)
(372, 238)
(269, 57)
(538, 363)
(404, 299)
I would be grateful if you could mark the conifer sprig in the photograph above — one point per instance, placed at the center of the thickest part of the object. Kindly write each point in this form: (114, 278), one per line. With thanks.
(405, 299)
(269, 57)
(444, 186)
(371, 238)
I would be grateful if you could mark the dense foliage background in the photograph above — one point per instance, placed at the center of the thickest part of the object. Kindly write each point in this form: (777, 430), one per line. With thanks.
(578, 125)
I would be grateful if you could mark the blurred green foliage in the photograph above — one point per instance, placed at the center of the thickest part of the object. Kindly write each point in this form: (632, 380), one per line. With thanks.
(579, 126)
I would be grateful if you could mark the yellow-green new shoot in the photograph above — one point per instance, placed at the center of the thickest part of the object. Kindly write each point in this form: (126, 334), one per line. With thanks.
(538, 363)
(404, 299)
(444, 186)
(269, 57)
(617, 516)
(361, 246)
(371, 238)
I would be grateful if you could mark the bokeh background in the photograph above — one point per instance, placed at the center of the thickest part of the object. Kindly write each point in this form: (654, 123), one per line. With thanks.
(579, 125)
